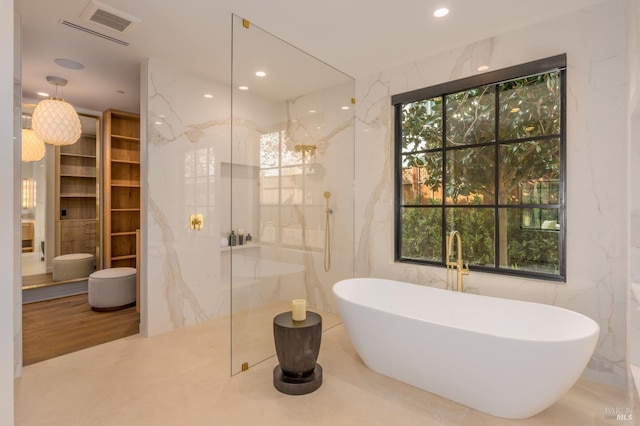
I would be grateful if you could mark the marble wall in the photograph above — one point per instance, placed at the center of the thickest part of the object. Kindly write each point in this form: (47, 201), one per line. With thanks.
(282, 166)
(191, 166)
(634, 158)
(633, 334)
(594, 40)
(187, 133)
(184, 266)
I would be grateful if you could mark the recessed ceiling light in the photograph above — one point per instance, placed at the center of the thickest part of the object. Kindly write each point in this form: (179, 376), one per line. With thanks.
(261, 73)
(439, 13)
(158, 122)
(208, 95)
(243, 87)
(483, 68)
(345, 107)
(312, 111)
(43, 94)
(69, 63)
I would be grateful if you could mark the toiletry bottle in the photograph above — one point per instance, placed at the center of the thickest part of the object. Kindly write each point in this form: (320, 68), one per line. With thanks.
(240, 239)
(232, 239)
(248, 239)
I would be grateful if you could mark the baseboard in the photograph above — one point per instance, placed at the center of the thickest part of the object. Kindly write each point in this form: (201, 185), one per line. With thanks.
(54, 291)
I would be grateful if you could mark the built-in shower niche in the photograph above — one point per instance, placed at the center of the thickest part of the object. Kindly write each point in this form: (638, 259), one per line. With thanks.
(292, 140)
(247, 191)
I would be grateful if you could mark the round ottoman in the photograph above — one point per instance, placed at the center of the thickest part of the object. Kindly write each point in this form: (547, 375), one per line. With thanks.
(112, 289)
(73, 266)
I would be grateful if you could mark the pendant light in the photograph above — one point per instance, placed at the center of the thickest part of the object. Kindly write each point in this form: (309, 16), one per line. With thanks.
(55, 121)
(32, 146)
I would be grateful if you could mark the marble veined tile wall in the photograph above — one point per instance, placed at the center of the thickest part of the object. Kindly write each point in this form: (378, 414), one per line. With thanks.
(187, 135)
(324, 119)
(634, 105)
(633, 48)
(189, 159)
(594, 40)
(312, 141)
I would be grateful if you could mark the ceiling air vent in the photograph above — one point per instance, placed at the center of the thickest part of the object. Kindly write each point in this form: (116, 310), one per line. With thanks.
(90, 31)
(109, 17)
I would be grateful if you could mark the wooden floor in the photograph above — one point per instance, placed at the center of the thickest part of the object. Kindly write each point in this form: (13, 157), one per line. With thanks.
(61, 326)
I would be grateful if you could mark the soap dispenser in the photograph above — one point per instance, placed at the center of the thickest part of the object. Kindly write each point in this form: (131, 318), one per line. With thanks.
(248, 239)
(232, 238)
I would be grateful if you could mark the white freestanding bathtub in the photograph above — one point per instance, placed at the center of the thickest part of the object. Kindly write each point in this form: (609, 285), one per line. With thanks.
(507, 358)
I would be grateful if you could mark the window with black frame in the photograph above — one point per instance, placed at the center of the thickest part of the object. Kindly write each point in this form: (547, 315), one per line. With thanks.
(485, 156)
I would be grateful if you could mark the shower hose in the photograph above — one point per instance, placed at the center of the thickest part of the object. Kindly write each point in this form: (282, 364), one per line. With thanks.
(327, 234)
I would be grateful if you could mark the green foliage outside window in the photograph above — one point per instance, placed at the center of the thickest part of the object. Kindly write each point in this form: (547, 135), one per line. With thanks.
(474, 161)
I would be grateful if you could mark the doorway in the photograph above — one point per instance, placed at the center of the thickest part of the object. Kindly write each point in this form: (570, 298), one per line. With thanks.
(61, 210)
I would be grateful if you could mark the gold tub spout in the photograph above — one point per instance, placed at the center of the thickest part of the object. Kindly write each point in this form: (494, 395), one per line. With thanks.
(459, 265)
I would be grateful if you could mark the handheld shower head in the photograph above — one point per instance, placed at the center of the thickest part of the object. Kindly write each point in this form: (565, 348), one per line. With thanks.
(327, 195)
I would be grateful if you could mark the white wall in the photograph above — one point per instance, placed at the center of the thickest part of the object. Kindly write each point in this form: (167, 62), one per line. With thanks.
(634, 152)
(10, 340)
(594, 40)
(633, 321)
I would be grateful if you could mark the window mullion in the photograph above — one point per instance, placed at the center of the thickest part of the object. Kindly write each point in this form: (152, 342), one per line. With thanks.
(496, 170)
(443, 240)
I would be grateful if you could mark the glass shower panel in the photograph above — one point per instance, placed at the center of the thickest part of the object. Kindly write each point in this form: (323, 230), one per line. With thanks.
(292, 141)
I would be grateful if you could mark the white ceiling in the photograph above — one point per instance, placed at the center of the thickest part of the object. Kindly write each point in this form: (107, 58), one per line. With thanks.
(357, 37)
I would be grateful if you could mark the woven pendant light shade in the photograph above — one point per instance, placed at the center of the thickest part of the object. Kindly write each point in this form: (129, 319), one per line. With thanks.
(56, 122)
(32, 146)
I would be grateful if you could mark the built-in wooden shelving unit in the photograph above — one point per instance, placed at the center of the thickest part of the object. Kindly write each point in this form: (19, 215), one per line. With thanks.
(77, 189)
(121, 187)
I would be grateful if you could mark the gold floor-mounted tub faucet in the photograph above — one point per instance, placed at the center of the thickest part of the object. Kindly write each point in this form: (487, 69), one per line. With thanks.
(459, 265)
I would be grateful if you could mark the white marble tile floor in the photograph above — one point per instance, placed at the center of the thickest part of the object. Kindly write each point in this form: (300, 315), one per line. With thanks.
(183, 378)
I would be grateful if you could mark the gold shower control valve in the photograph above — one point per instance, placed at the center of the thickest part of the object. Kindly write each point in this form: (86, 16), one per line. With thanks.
(196, 221)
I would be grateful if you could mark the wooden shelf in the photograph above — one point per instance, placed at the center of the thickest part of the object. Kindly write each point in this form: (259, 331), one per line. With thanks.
(129, 138)
(63, 154)
(128, 256)
(126, 185)
(77, 176)
(77, 193)
(115, 160)
(120, 234)
(122, 187)
(27, 236)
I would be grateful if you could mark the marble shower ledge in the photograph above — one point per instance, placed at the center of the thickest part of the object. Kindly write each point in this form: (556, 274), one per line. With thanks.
(242, 247)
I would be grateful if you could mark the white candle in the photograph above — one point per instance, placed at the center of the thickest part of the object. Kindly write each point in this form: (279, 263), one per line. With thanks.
(240, 231)
(299, 309)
